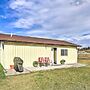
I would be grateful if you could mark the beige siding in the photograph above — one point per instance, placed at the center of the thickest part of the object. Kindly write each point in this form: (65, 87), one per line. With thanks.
(72, 55)
(2, 55)
(30, 53)
(27, 53)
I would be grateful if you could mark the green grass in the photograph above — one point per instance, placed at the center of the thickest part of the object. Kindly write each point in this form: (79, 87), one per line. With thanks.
(60, 79)
(2, 74)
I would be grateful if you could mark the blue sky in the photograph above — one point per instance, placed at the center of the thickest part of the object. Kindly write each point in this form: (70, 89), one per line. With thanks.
(57, 19)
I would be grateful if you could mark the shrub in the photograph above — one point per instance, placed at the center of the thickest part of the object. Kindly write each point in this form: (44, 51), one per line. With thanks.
(41, 64)
(46, 64)
(2, 74)
(35, 63)
(62, 61)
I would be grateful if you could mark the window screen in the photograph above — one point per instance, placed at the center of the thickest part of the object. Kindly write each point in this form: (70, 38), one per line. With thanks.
(64, 52)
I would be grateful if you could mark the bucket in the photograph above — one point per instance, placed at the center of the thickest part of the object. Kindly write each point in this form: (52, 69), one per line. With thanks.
(11, 66)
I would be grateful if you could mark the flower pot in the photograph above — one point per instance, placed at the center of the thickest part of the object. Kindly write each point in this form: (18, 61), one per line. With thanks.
(11, 66)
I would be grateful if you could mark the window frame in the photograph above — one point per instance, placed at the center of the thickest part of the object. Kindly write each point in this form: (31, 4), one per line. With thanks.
(64, 52)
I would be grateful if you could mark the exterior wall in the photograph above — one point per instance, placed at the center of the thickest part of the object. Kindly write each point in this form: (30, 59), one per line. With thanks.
(70, 58)
(27, 53)
(2, 54)
(30, 53)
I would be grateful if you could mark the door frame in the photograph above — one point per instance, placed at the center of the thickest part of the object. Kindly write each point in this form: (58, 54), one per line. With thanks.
(53, 57)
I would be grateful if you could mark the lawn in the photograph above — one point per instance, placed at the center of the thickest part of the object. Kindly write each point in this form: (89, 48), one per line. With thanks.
(60, 79)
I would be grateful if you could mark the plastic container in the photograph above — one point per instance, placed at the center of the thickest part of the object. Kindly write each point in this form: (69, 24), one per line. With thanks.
(11, 66)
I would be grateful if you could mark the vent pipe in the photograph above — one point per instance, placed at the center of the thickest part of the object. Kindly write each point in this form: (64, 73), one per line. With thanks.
(11, 35)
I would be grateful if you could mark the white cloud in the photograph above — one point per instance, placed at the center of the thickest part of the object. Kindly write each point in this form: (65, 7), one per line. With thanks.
(15, 4)
(3, 17)
(24, 23)
(2, 31)
(68, 18)
(84, 37)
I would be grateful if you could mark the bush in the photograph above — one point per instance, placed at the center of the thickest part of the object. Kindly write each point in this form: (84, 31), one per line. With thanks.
(46, 64)
(2, 74)
(62, 61)
(41, 64)
(35, 63)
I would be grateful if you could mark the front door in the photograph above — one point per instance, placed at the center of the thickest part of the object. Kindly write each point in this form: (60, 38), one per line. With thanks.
(55, 55)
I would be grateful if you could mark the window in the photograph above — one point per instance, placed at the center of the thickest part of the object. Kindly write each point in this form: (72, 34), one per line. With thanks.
(64, 52)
